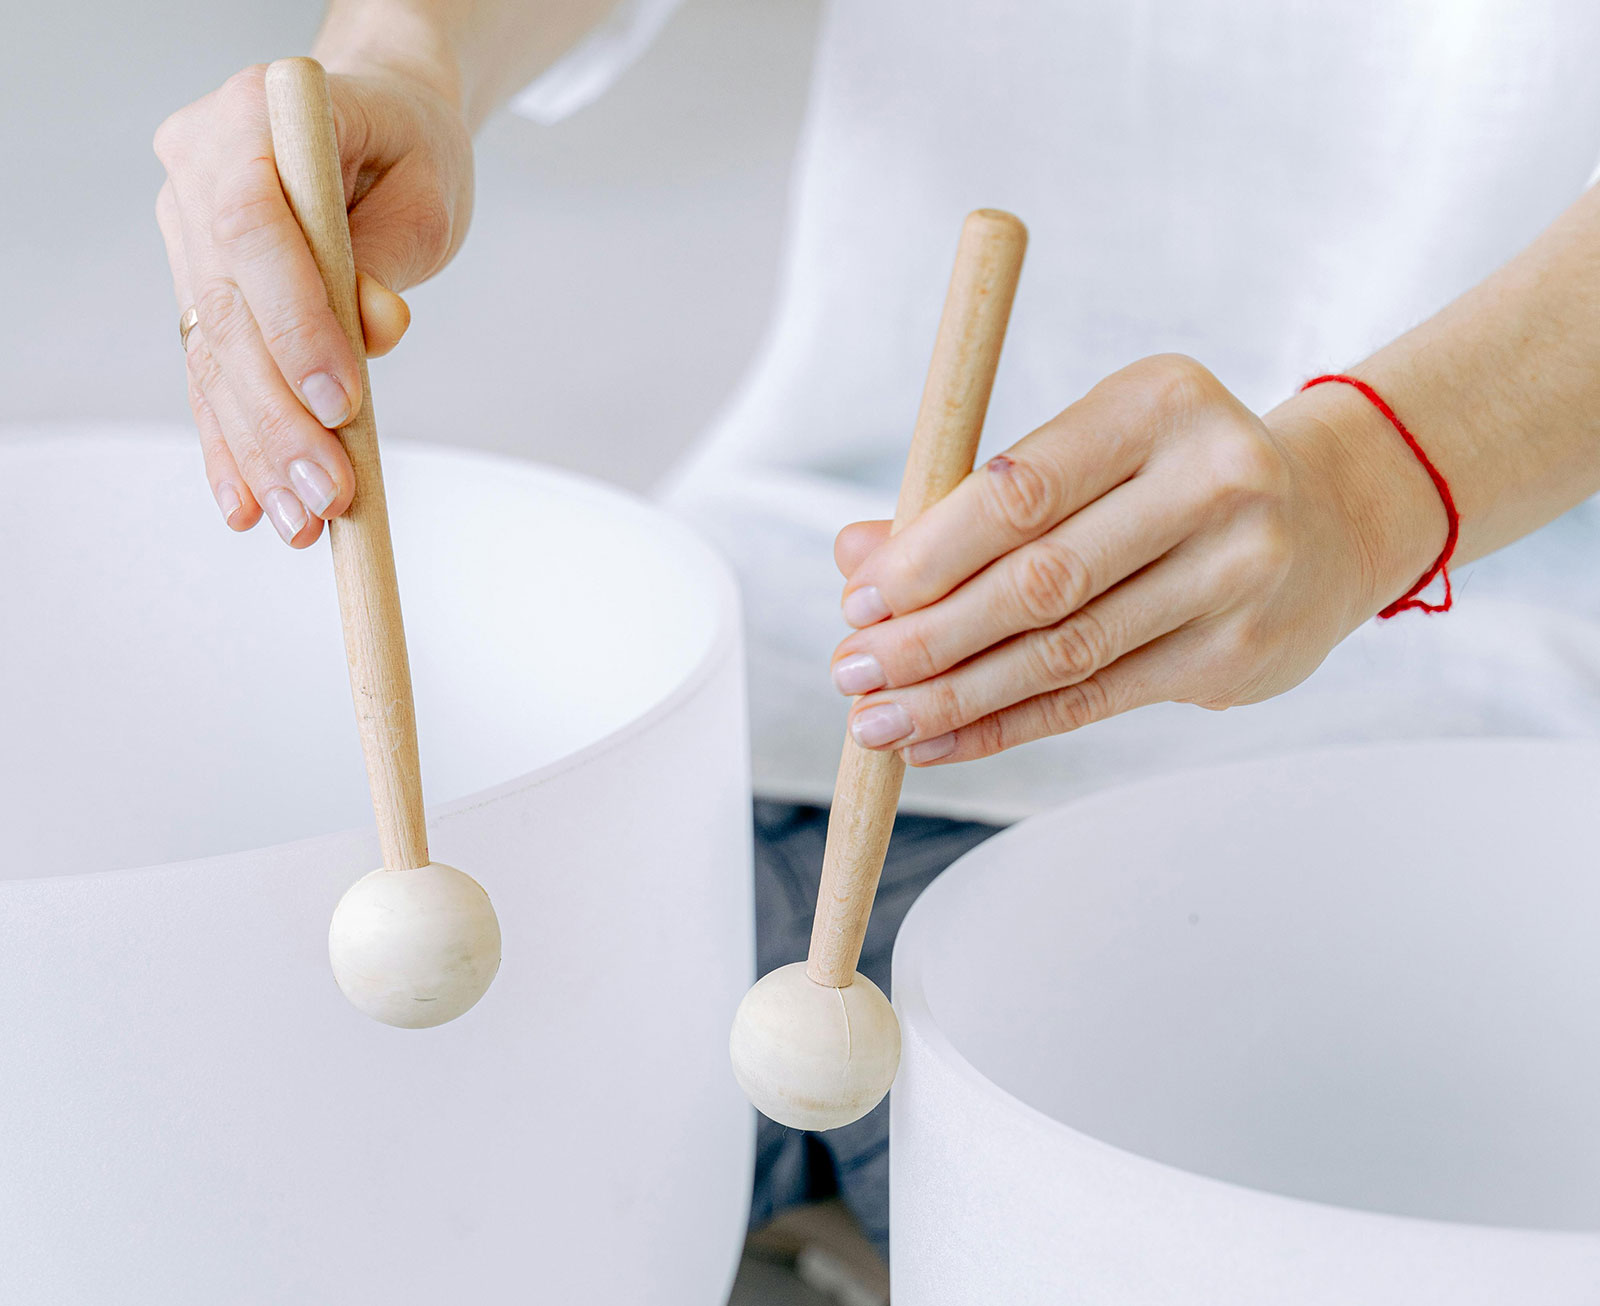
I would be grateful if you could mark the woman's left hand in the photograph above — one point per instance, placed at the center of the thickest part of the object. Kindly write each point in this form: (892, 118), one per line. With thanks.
(1155, 541)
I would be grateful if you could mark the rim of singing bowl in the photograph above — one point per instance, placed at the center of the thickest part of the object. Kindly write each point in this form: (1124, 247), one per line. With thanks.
(724, 593)
(918, 932)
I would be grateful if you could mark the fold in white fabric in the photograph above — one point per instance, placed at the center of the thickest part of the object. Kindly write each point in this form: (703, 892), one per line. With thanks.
(587, 71)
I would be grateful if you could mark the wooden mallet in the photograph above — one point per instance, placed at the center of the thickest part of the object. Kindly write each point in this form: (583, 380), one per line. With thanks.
(816, 1045)
(416, 943)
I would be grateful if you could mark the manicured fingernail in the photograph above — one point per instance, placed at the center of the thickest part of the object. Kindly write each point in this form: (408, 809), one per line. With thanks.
(858, 675)
(287, 512)
(931, 750)
(228, 501)
(327, 398)
(880, 724)
(864, 606)
(314, 486)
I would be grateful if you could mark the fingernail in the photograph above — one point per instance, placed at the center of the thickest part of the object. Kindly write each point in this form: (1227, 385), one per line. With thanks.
(858, 675)
(228, 501)
(931, 750)
(327, 398)
(880, 724)
(287, 512)
(864, 606)
(314, 486)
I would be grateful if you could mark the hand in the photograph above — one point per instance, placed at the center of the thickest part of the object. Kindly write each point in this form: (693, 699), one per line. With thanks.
(1156, 541)
(270, 371)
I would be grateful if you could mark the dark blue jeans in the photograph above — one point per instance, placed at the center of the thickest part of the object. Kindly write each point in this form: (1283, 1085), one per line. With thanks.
(792, 1166)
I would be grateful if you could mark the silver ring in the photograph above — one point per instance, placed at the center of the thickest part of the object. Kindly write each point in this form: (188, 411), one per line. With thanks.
(186, 324)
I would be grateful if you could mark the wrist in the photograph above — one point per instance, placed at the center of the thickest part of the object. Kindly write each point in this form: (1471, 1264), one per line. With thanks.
(1390, 518)
(392, 39)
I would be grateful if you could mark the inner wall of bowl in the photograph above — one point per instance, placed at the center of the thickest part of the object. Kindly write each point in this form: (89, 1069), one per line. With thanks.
(1366, 978)
(176, 691)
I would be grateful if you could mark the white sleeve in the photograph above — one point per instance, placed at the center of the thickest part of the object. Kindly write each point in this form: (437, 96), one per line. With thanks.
(587, 70)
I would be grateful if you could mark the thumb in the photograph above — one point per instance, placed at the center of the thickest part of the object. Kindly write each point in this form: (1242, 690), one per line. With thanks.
(852, 545)
(384, 315)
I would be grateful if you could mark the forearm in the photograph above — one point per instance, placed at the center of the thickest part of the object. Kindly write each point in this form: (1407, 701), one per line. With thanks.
(1502, 388)
(477, 53)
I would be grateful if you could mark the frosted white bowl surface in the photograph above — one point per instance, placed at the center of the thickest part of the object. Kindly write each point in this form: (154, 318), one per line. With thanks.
(1319, 1029)
(192, 1113)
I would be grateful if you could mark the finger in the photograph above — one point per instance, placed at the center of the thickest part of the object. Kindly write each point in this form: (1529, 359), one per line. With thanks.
(1135, 613)
(1149, 675)
(240, 226)
(852, 545)
(228, 486)
(296, 525)
(1011, 500)
(276, 443)
(1030, 588)
(237, 226)
(258, 247)
(385, 317)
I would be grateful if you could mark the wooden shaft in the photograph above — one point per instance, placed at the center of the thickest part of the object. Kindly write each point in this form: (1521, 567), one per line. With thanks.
(307, 150)
(949, 424)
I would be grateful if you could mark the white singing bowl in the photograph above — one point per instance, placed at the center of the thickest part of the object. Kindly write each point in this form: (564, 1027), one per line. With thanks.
(1322, 1030)
(190, 1112)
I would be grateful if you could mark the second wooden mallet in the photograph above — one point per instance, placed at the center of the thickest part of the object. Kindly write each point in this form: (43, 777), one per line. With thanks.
(815, 1045)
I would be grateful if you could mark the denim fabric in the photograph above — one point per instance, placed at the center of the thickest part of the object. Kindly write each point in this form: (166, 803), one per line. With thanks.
(792, 1166)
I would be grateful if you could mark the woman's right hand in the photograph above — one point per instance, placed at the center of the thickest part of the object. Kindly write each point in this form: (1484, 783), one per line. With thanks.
(271, 374)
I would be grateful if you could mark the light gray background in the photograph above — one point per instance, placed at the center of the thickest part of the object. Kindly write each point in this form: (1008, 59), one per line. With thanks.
(616, 280)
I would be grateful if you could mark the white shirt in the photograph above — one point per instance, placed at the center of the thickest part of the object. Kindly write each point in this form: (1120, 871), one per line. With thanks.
(1276, 188)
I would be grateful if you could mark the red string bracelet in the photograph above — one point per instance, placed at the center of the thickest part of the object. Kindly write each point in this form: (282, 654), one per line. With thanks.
(1441, 564)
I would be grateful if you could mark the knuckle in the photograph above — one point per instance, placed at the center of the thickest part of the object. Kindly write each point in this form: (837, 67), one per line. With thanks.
(1050, 581)
(276, 428)
(218, 305)
(255, 466)
(292, 336)
(248, 83)
(913, 655)
(1072, 650)
(1272, 551)
(1180, 383)
(907, 567)
(1257, 561)
(203, 371)
(1170, 385)
(1243, 468)
(1077, 706)
(1020, 494)
(940, 708)
(1234, 658)
(244, 212)
(988, 736)
(173, 137)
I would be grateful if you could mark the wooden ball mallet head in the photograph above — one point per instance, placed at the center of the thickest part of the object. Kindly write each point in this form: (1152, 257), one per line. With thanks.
(415, 943)
(815, 1045)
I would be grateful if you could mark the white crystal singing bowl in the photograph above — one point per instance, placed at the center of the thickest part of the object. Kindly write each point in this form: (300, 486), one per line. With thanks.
(190, 1112)
(1321, 1031)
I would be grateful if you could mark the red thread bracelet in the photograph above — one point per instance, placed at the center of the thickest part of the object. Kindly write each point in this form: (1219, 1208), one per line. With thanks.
(1441, 564)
